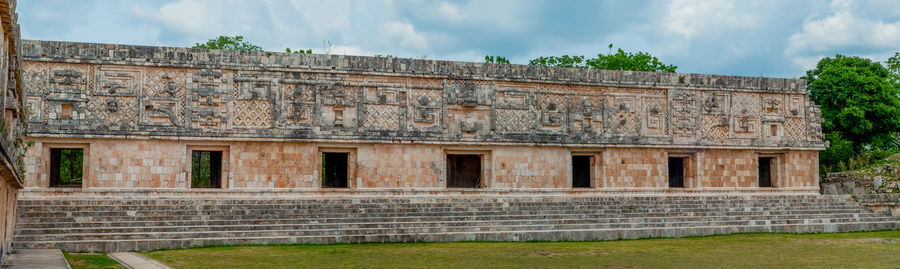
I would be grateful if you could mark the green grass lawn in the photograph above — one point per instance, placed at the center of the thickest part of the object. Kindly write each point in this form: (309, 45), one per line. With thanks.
(843, 250)
(91, 261)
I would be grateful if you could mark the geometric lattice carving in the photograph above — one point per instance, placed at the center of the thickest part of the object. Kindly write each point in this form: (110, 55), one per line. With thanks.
(252, 113)
(112, 112)
(622, 113)
(382, 117)
(795, 129)
(384, 108)
(514, 120)
(624, 123)
(714, 127)
(553, 110)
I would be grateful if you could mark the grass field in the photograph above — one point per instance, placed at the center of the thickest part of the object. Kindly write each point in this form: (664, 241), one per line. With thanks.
(843, 250)
(91, 261)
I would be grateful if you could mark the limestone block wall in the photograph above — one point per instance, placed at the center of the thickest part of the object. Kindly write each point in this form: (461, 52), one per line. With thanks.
(401, 166)
(802, 169)
(728, 168)
(165, 164)
(634, 168)
(531, 167)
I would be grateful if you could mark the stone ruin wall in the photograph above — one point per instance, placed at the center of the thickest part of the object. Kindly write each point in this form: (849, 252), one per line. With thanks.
(139, 110)
(12, 123)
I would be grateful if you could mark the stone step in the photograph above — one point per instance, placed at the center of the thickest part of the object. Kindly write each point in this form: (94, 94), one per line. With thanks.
(255, 215)
(141, 224)
(365, 219)
(424, 202)
(105, 245)
(433, 228)
(421, 201)
(487, 223)
(51, 208)
(321, 211)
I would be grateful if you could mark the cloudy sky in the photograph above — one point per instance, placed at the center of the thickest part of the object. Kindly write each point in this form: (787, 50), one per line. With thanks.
(779, 38)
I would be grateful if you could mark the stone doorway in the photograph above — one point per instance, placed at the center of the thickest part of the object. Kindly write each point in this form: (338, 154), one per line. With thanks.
(66, 167)
(206, 169)
(765, 171)
(464, 171)
(676, 172)
(334, 169)
(581, 171)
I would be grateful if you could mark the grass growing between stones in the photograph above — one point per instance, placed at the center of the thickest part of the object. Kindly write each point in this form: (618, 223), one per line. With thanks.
(842, 250)
(91, 261)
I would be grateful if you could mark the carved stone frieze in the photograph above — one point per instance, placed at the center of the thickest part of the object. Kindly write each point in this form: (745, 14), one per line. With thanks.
(267, 99)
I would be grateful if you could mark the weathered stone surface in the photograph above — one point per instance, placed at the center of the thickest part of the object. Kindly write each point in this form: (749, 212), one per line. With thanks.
(142, 222)
(138, 111)
(126, 91)
(880, 179)
(12, 122)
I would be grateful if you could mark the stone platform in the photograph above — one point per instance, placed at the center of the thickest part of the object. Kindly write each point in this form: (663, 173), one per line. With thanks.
(142, 223)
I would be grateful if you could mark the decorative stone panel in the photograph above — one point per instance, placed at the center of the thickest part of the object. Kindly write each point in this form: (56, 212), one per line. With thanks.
(199, 93)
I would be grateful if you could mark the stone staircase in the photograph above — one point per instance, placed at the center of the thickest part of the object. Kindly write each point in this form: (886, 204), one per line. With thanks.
(113, 225)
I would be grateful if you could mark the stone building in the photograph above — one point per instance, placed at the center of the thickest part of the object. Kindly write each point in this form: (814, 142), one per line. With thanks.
(12, 124)
(144, 117)
(143, 148)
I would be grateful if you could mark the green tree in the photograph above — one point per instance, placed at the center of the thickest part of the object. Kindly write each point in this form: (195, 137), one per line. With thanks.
(893, 64)
(288, 50)
(228, 43)
(621, 60)
(559, 61)
(860, 102)
(495, 59)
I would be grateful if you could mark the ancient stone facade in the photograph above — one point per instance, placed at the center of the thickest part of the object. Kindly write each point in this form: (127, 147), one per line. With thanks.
(138, 112)
(12, 124)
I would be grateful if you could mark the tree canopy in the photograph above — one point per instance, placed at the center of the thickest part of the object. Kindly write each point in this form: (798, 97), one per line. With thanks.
(237, 43)
(860, 101)
(496, 59)
(893, 64)
(621, 60)
(228, 43)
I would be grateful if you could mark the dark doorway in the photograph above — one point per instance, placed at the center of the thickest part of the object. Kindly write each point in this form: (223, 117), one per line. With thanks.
(464, 171)
(765, 171)
(676, 172)
(581, 171)
(334, 170)
(206, 169)
(66, 167)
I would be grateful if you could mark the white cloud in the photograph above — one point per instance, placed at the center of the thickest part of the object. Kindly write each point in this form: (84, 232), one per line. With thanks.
(450, 12)
(691, 18)
(323, 17)
(190, 16)
(405, 35)
(349, 50)
(843, 28)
